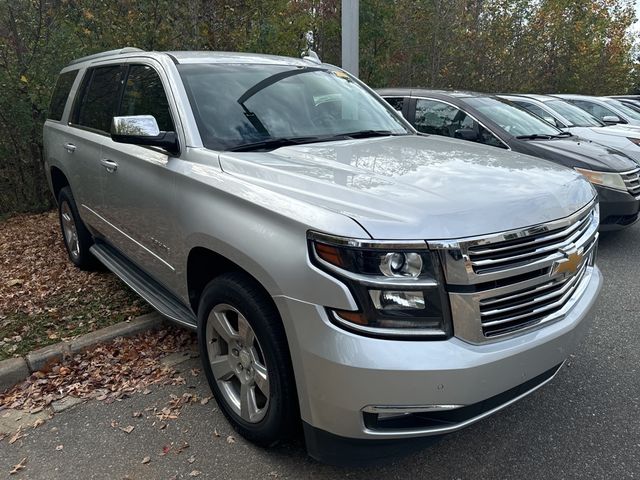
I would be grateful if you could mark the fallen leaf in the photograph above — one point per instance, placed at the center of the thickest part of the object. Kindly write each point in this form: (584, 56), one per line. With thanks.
(182, 447)
(205, 400)
(146, 460)
(137, 414)
(13, 282)
(195, 473)
(59, 447)
(19, 466)
(127, 429)
(191, 459)
(231, 439)
(17, 436)
(38, 422)
(166, 449)
(215, 432)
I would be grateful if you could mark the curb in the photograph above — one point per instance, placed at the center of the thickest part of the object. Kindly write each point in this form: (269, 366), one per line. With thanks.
(15, 370)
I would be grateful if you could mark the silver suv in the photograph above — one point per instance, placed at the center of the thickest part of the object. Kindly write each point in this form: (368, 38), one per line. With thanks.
(339, 268)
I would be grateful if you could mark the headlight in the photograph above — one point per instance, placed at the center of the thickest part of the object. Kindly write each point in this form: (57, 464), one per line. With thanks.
(398, 286)
(605, 179)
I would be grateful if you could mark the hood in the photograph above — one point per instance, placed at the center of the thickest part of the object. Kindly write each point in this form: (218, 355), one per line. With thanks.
(616, 139)
(418, 187)
(578, 152)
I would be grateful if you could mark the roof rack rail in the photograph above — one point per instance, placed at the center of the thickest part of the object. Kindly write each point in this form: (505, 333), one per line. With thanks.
(106, 54)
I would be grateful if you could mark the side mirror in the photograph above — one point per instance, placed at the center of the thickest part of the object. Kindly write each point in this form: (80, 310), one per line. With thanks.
(611, 119)
(466, 134)
(143, 130)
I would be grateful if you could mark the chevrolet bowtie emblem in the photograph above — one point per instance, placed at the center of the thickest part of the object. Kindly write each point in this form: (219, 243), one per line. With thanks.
(569, 265)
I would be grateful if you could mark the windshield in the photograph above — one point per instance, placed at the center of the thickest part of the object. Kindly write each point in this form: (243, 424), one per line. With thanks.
(577, 116)
(628, 111)
(515, 120)
(240, 105)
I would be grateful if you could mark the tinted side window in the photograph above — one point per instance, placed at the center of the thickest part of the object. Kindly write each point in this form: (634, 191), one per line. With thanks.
(441, 119)
(436, 118)
(593, 108)
(396, 102)
(543, 114)
(99, 98)
(60, 94)
(144, 95)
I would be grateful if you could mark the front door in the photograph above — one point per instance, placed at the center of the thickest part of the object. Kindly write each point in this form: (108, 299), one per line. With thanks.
(139, 185)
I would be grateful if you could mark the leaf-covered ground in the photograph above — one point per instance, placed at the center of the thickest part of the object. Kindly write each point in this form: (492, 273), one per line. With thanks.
(43, 297)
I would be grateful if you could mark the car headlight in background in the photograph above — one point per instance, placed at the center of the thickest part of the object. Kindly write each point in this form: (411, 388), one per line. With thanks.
(398, 286)
(605, 179)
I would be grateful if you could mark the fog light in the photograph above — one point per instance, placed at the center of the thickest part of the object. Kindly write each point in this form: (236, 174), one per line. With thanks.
(397, 300)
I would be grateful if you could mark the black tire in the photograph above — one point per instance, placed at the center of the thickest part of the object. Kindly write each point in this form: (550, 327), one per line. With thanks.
(240, 291)
(79, 255)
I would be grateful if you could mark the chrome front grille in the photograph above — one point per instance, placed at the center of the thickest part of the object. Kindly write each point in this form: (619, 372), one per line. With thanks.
(511, 282)
(511, 312)
(511, 253)
(632, 181)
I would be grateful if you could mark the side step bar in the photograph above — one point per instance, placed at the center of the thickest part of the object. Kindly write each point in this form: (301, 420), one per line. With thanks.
(140, 282)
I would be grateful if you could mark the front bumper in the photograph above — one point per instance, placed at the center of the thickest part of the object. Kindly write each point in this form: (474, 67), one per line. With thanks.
(339, 374)
(618, 209)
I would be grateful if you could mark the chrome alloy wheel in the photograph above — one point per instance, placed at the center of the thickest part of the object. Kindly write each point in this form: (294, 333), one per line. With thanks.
(237, 362)
(69, 230)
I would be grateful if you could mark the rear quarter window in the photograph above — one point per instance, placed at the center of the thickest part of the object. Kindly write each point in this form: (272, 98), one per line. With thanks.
(60, 94)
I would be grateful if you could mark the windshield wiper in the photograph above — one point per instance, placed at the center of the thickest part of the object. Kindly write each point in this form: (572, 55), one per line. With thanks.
(273, 143)
(369, 133)
(539, 136)
(534, 136)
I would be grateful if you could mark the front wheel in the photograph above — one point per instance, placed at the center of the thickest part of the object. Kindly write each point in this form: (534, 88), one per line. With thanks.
(246, 358)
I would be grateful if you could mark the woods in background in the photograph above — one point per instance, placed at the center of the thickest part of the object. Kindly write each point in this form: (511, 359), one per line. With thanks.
(541, 46)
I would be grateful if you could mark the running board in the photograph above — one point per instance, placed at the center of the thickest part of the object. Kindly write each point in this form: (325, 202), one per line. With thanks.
(140, 282)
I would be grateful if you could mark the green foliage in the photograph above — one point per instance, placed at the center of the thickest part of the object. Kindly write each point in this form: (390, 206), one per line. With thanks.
(487, 45)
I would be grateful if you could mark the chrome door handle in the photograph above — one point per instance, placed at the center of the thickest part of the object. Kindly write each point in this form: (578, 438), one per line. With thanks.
(109, 165)
(70, 147)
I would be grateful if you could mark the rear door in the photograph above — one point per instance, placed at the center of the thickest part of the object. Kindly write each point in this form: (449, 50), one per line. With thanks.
(139, 193)
(95, 105)
(56, 137)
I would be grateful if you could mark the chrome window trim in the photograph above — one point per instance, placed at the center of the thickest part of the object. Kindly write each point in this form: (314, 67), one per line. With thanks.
(467, 113)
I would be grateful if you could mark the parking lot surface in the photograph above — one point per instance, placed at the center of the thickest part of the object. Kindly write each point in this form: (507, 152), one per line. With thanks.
(585, 424)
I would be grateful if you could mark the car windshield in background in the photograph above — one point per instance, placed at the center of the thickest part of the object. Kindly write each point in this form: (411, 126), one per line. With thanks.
(577, 116)
(628, 111)
(516, 121)
(267, 106)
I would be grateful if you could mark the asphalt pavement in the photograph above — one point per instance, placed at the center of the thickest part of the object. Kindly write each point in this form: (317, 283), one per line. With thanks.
(585, 424)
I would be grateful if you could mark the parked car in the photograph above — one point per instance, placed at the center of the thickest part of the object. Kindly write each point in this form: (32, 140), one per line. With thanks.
(569, 118)
(632, 101)
(608, 110)
(339, 268)
(489, 120)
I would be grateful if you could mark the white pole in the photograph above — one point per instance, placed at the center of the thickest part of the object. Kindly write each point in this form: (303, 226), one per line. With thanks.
(350, 38)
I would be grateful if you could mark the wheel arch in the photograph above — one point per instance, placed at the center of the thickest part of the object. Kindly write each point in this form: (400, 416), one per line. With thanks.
(205, 263)
(58, 181)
